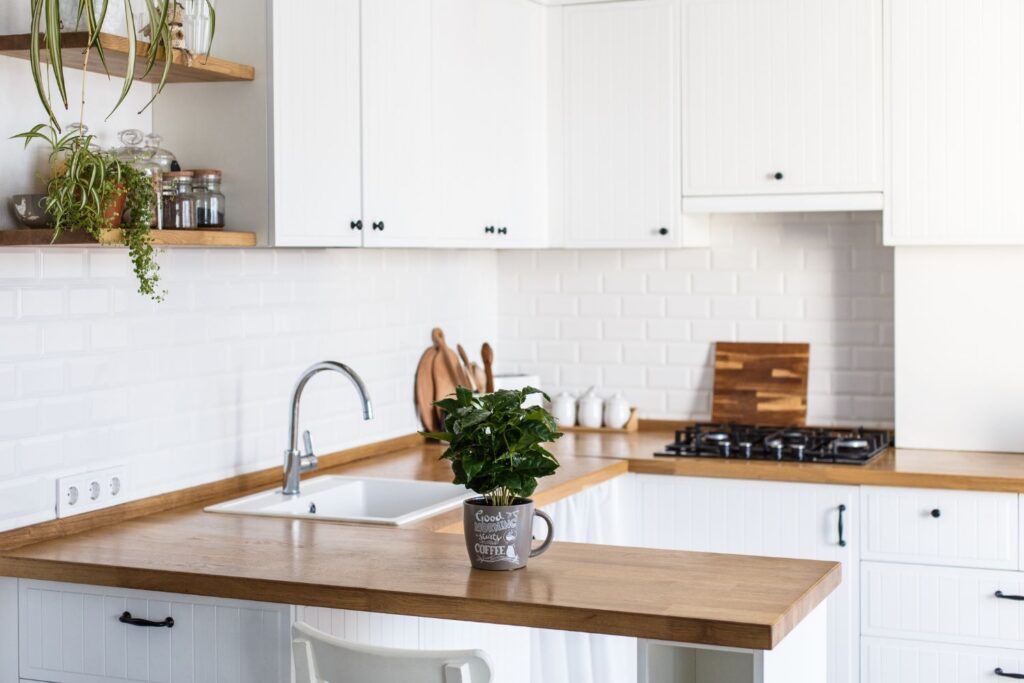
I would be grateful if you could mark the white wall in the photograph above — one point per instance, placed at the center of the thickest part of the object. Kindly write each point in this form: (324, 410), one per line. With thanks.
(960, 332)
(197, 388)
(643, 322)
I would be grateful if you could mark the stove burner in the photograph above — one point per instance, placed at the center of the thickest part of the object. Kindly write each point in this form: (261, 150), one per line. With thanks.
(790, 444)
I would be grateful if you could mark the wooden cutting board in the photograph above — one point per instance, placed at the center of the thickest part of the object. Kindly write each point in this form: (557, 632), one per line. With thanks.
(763, 384)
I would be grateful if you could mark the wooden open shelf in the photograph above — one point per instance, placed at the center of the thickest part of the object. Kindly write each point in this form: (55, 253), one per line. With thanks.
(116, 52)
(41, 237)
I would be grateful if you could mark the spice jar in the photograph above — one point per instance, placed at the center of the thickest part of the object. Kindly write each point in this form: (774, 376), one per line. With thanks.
(179, 201)
(209, 198)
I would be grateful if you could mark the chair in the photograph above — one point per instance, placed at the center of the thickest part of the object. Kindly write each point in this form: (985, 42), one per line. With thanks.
(320, 657)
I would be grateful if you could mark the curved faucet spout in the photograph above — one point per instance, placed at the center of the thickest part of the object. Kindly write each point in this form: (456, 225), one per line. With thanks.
(297, 462)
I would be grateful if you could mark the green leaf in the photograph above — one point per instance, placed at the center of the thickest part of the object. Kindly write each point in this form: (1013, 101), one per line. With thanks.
(95, 26)
(213, 29)
(129, 76)
(35, 59)
(53, 46)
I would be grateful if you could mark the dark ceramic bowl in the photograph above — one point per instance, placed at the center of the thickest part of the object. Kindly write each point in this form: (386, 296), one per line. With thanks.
(30, 210)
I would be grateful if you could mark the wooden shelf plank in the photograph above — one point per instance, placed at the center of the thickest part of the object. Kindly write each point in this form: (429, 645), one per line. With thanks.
(42, 237)
(116, 50)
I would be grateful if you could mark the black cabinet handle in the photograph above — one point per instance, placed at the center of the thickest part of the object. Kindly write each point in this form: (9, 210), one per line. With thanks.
(356, 225)
(662, 231)
(378, 226)
(936, 513)
(842, 541)
(489, 229)
(502, 231)
(1000, 672)
(1004, 596)
(778, 175)
(127, 618)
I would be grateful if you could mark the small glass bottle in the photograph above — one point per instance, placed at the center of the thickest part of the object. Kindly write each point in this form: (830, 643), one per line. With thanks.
(209, 198)
(179, 207)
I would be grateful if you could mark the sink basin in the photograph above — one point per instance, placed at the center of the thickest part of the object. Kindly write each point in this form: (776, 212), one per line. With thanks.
(353, 499)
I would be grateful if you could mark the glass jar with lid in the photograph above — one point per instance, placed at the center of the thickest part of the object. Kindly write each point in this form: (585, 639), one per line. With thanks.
(167, 161)
(209, 198)
(179, 201)
(141, 159)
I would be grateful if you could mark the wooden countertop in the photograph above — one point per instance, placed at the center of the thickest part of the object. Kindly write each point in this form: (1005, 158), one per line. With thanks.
(963, 470)
(681, 596)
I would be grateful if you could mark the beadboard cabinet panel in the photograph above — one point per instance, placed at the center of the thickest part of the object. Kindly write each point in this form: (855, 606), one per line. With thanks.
(956, 92)
(945, 604)
(928, 526)
(71, 634)
(316, 124)
(908, 661)
(782, 97)
(764, 518)
(400, 205)
(620, 124)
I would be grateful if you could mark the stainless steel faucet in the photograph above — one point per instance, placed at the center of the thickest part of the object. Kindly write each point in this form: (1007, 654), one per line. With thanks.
(295, 461)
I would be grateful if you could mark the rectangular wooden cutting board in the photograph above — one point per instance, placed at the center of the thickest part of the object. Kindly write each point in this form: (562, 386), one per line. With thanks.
(759, 383)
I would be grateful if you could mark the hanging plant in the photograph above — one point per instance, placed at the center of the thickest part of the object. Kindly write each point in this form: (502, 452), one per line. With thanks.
(91, 191)
(91, 14)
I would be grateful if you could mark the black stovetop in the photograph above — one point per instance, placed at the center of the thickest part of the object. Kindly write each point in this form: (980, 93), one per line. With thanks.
(851, 446)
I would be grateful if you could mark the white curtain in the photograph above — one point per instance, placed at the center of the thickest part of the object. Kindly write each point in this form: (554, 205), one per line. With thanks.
(604, 514)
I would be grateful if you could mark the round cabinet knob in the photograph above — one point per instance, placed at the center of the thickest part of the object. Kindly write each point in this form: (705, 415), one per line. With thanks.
(778, 175)
(936, 513)
(356, 225)
(662, 231)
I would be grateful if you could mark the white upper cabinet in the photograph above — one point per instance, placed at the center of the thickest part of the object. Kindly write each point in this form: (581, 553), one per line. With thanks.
(782, 97)
(617, 67)
(957, 122)
(399, 182)
(316, 124)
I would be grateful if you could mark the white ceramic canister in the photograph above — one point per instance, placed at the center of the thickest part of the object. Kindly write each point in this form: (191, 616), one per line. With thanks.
(616, 411)
(563, 409)
(589, 409)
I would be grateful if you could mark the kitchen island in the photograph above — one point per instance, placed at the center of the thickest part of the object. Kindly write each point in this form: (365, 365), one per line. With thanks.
(728, 612)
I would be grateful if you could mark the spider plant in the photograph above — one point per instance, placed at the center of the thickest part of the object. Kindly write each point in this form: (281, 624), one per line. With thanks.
(46, 20)
(91, 189)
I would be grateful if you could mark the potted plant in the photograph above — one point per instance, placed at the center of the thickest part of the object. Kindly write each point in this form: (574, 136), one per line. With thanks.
(92, 191)
(496, 449)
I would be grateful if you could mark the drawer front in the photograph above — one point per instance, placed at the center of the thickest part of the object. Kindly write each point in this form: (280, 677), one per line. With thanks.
(928, 526)
(71, 634)
(908, 661)
(942, 604)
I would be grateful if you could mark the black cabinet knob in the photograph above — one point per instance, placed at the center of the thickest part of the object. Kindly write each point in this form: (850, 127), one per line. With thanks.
(662, 231)
(489, 229)
(356, 225)
(936, 513)
(378, 226)
(778, 175)
(502, 231)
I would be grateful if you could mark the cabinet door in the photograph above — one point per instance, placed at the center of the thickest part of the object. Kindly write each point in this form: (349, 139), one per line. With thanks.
(765, 518)
(316, 128)
(956, 73)
(515, 117)
(399, 183)
(908, 661)
(782, 97)
(620, 124)
(71, 634)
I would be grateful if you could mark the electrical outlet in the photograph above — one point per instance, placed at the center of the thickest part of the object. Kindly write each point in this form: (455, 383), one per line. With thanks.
(88, 491)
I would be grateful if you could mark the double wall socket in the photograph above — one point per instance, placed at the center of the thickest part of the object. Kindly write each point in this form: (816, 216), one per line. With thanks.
(89, 491)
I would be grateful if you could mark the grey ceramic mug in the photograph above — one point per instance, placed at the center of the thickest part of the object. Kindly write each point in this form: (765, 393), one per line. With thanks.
(499, 537)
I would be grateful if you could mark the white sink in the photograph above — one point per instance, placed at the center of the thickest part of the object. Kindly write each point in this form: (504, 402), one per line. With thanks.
(353, 499)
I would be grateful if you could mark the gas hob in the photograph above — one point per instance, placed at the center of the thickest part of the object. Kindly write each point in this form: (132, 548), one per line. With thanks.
(785, 444)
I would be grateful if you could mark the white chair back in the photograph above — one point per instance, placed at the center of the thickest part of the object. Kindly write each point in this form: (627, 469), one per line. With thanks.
(322, 658)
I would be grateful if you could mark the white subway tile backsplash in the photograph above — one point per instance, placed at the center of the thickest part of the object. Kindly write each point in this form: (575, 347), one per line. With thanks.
(818, 278)
(196, 388)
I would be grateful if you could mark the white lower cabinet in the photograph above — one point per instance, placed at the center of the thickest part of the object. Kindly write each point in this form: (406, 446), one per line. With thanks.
(808, 521)
(910, 661)
(72, 634)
